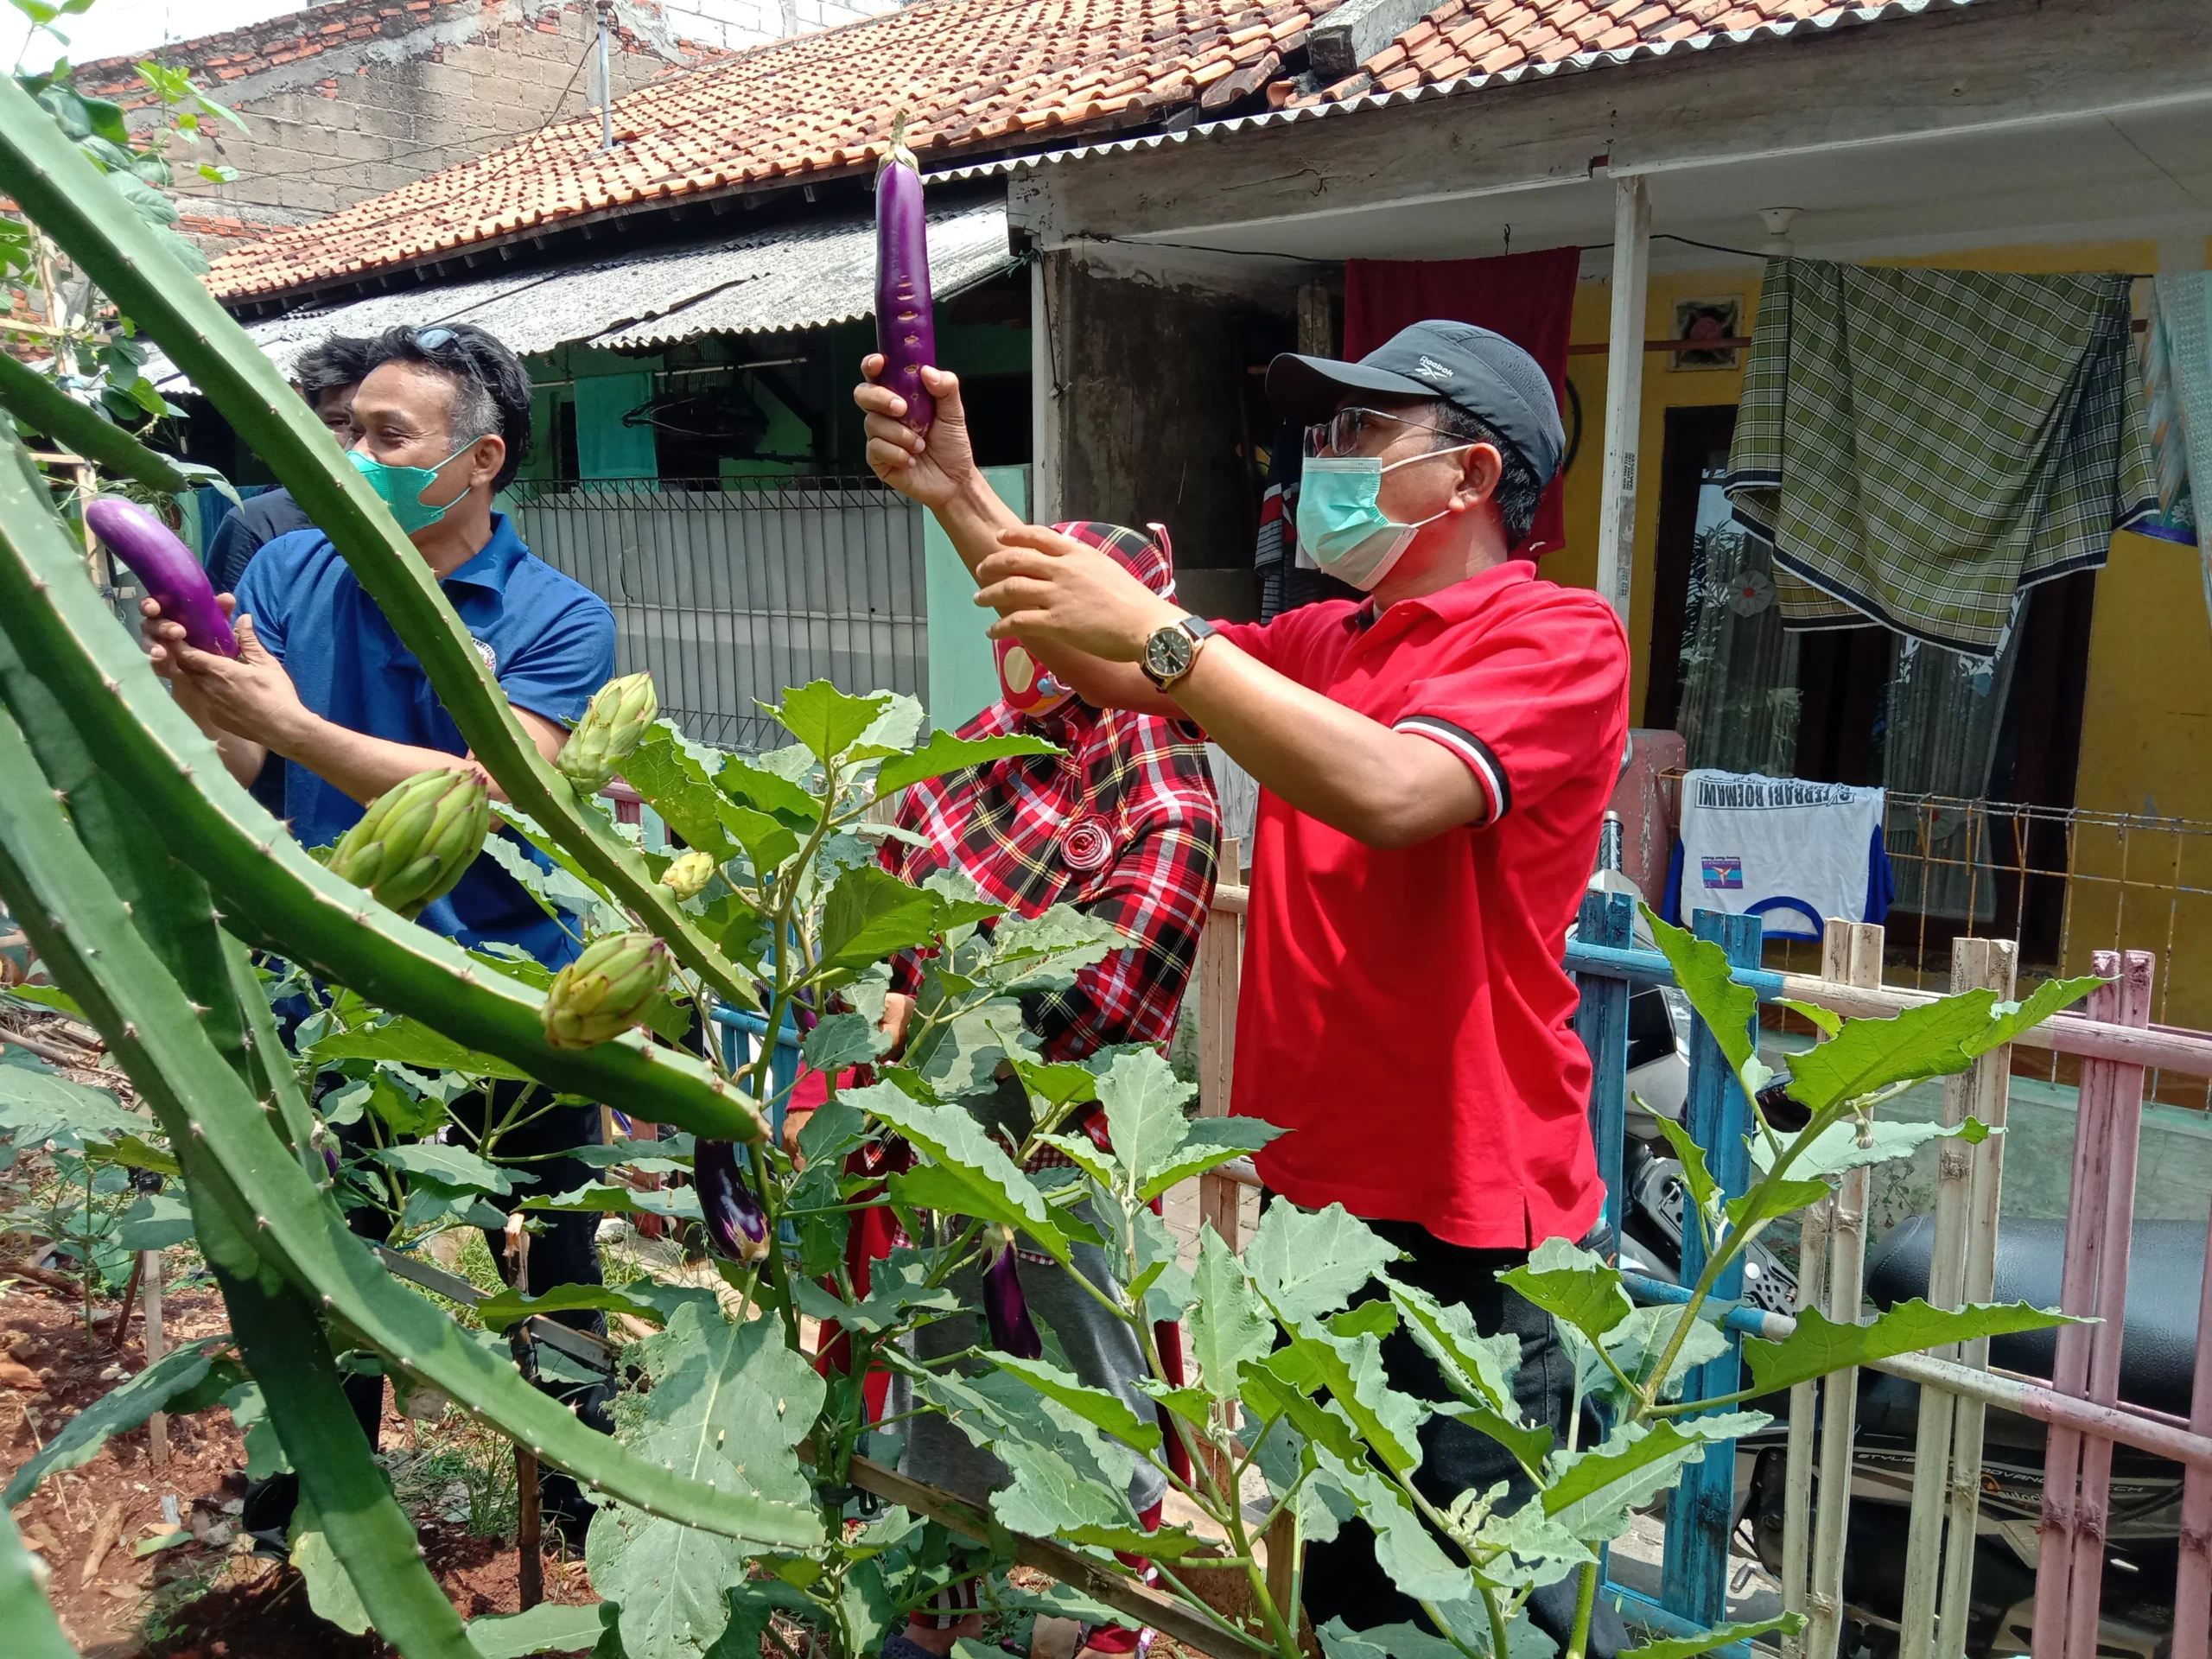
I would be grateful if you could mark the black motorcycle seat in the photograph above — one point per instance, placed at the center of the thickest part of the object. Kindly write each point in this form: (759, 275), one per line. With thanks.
(2165, 1272)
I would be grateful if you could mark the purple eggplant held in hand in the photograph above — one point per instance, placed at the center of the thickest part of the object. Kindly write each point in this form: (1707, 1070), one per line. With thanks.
(172, 574)
(906, 320)
(737, 1226)
(1006, 1307)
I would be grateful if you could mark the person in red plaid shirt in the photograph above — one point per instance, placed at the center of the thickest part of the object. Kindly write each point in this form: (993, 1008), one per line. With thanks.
(1124, 825)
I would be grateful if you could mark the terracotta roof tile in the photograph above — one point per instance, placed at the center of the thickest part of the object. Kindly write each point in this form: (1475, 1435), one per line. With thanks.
(977, 74)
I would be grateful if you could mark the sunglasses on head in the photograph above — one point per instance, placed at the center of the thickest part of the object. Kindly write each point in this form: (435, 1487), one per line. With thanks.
(1344, 431)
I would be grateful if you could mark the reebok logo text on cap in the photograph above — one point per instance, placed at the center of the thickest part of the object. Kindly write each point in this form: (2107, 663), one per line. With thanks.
(1429, 368)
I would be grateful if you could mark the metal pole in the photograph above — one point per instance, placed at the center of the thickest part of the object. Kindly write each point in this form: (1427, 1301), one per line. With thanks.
(1623, 391)
(606, 81)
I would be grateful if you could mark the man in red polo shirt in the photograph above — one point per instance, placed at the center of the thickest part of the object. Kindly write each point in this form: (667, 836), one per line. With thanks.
(1435, 763)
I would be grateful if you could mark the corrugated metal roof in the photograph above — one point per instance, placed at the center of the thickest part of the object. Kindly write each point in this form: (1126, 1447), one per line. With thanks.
(1458, 86)
(797, 277)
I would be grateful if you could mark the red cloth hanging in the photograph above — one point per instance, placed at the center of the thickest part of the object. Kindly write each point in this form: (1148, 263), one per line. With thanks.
(1527, 297)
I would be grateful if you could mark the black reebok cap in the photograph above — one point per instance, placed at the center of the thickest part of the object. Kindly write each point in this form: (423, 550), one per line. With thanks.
(1473, 369)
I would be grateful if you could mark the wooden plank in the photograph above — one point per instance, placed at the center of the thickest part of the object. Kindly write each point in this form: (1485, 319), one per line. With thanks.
(1850, 952)
(1221, 954)
(1101, 1583)
(1693, 1582)
(1624, 392)
(2130, 998)
(1991, 964)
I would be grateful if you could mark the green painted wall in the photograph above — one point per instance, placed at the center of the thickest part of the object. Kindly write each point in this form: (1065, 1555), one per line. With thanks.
(963, 678)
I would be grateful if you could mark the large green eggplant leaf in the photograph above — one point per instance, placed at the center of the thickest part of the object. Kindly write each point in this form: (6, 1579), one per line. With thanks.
(1701, 968)
(1102, 1410)
(1932, 1040)
(1307, 1264)
(503, 1310)
(896, 1287)
(827, 721)
(154, 1223)
(729, 1405)
(183, 1380)
(37, 1105)
(1596, 1489)
(1721, 1635)
(670, 776)
(1351, 1370)
(1143, 1099)
(1837, 1148)
(410, 1042)
(970, 1163)
(944, 752)
(453, 1166)
(870, 913)
(1820, 1345)
(1211, 1142)
(550, 1627)
(1226, 1325)
(1572, 1285)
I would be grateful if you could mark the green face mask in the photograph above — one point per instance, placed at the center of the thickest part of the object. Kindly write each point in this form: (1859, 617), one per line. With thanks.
(401, 488)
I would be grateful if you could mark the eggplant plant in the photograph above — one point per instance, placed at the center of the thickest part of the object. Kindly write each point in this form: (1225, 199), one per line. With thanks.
(737, 1503)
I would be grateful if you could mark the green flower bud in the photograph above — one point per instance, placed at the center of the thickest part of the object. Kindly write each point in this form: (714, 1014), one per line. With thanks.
(688, 874)
(616, 722)
(416, 838)
(606, 990)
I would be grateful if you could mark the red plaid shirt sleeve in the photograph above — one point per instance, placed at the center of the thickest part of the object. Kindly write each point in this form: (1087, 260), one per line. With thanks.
(1159, 894)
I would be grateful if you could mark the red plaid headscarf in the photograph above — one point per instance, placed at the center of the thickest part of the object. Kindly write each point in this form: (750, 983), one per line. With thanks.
(1125, 825)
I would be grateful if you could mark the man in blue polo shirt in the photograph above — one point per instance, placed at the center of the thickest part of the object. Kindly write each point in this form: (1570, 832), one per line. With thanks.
(323, 681)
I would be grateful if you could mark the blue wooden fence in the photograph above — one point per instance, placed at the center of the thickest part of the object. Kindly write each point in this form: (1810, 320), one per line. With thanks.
(1694, 1594)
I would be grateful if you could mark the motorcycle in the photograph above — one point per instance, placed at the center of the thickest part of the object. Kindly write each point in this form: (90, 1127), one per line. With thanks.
(2165, 1271)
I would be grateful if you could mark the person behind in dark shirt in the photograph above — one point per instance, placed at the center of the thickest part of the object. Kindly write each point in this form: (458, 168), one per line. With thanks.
(323, 682)
(327, 375)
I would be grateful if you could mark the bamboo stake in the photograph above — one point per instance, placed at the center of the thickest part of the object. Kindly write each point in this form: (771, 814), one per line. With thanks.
(1221, 949)
(1990, 963)
(529, 1564)
(1804, 1402)
(1851, 952)
(158, 1425)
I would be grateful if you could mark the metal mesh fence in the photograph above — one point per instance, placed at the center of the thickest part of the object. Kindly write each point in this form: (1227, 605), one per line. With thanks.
(730, 591)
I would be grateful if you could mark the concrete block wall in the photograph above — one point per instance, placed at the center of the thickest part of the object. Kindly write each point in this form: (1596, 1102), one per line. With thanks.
(331, 128)
(732, 24)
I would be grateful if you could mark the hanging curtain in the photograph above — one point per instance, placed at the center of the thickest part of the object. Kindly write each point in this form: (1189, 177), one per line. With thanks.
(1527, 297)
(1740, 665)
(1942, 717)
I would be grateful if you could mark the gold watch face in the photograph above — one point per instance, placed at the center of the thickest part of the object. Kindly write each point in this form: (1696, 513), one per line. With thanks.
(1167, 653)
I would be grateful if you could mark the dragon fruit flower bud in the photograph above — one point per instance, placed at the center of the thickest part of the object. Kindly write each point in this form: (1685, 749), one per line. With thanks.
(606, 990)
(614, 724)
(688, 874)
(416, 838)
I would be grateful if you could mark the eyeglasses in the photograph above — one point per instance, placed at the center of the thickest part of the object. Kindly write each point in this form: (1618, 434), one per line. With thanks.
(1342, 433)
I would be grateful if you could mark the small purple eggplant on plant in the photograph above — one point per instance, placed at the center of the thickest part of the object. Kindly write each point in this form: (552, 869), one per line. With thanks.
(1004, 1306)
(737, 1226)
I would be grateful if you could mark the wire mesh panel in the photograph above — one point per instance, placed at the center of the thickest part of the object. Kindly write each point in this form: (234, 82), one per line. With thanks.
(729, 595)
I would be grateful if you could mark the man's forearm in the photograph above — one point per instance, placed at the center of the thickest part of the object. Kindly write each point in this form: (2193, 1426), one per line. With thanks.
(1380, 786)
(363, 766)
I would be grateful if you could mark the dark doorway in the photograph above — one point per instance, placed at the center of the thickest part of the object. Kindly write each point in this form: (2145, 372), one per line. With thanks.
(1693, 460)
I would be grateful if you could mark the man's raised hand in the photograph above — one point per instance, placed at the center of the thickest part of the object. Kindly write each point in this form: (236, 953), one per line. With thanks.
(933, 469)
(1065, 597)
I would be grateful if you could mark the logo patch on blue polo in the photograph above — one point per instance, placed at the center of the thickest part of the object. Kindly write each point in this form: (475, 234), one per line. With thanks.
(1722, 873)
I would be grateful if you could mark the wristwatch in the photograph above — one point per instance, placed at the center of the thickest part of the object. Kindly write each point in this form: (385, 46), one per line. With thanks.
(1169, 652)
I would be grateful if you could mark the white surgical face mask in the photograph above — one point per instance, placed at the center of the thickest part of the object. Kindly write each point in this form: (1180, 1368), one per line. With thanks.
(1341, 523)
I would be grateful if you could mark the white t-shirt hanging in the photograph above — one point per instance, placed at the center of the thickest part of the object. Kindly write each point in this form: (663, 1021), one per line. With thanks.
(1792, 853)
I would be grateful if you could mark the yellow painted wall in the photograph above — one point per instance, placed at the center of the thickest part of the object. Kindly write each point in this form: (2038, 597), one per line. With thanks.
(2146, 737)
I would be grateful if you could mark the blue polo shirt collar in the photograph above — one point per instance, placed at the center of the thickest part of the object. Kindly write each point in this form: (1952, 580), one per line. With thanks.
(490, 565)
